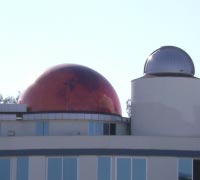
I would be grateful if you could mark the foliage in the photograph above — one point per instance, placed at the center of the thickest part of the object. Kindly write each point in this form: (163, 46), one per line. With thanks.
(9, 99)
(128, 107)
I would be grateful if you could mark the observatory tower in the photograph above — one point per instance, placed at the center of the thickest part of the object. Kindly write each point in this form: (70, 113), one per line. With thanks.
(166, 101)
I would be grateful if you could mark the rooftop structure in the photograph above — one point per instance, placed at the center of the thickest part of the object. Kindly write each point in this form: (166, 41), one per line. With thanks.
(71, 88)
(68, 125)
(169, 60)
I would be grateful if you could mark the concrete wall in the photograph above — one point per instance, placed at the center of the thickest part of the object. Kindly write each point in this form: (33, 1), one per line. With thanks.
(68, 128)
(13, 108)
(100, 142)
(163, 168)
(37, 167)
(87, 168)
(20, 128)
(166, 106)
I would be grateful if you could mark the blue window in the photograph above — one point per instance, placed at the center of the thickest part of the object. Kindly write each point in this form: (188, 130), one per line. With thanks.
(22, 168)
(4, 169)
(131, 168)
(138, 169)
(55, 169)
(42, 128)
(124, 169)
(104, 168)
(69, 169)
(95, 128)
(91, 128)
(185, 169)
(98, 129)
(62, 169)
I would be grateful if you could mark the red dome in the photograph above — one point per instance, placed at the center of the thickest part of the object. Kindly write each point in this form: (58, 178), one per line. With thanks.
(71, 88)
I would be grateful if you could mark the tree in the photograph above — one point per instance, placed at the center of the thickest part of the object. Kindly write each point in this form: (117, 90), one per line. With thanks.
(128, 107)
(1, 99)
(9, 99)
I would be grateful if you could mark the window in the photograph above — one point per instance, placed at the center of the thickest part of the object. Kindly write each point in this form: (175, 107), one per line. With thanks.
(185, 169)
(109, 129)
(131, 168)
(123, 169)
(196, 169)
(22, 168)
(95, 128)
(4, 169)
(54, 168)
(62, 169)
(106, 129)
(138, 169)
(104, 168)
(42, 128)
(98, 128)
(69, 169)
(112, 129)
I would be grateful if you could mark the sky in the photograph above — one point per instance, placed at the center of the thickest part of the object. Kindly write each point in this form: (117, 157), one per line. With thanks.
(113, 37)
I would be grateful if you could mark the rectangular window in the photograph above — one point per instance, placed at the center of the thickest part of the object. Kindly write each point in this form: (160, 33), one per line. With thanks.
(22, 168)
(112, 129)
(104, 168)
(4, 169)
(185, 169)
(54, 168)
(42, 128)
(62, 169)
(69, 169)
(95, 128)
(91, 128)
(106, 129)
(124, 169)
(128, 168)
(46, 128)
(98, 128)
(196, 169)
(138, 169)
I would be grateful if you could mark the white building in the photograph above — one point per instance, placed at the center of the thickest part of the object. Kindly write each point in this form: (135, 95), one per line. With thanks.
(68, 125)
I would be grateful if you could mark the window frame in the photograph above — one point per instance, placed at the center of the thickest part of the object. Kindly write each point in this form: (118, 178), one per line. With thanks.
(62, 158)
(184, 158)
(110, 157)
(95, 126)
(131, 159)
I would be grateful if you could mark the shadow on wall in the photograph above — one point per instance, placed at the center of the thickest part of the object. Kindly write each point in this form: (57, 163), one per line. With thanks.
(197, 113)
(159, 119)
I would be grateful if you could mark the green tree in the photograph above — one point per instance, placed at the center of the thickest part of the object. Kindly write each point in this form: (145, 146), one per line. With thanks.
(9, 99)
(128, 107)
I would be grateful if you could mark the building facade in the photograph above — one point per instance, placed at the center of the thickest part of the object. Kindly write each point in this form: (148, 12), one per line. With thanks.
(68, 125)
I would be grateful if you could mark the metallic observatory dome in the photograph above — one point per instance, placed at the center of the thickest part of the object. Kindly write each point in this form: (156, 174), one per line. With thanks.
(71, 88)
(169, 60)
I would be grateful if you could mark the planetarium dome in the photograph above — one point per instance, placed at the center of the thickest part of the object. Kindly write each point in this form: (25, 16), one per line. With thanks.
(71, 88)
(169, 60)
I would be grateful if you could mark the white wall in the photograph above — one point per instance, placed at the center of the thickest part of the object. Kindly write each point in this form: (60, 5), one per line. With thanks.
(162, 168)
(166, 106)
(37, 168)
(13, 107)
(20, 128)
(87, 168)
(68, 128)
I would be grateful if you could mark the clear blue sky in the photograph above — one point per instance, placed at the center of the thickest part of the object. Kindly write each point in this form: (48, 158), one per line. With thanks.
(114, 37)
